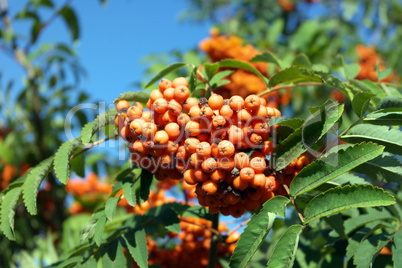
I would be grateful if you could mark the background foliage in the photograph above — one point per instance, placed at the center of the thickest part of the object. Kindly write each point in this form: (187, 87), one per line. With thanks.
(299, 55)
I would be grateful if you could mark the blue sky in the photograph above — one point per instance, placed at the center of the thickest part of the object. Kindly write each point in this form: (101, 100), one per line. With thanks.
(114, 39)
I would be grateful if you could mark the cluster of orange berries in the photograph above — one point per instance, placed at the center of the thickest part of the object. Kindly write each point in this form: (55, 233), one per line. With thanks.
(221, 146)
(88, 192)
(368, 59)
(193, 248)
(242, 83)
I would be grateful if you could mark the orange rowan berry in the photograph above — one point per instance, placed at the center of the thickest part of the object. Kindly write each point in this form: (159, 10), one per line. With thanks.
(137, 125)
(203, 149)
(225, 148)
(164, 84)
(215, 101)
(193, 128)
(190, 144)
(226, 111)
(241, 160)
(147, 116)
(182, 119)
(121, 105)
(180, 81)
(135, 111)
(252, 102)
(247, 174)
(207, 112)
(210, 187)
(173, 130)
(172, 146)
(189, 177)
(218, 175)
(195, 113)
(254, 194)
(259, 181)
(161, 137)
(235, 134)
(236, 103)
(244, 116)
(155, 94)
(200, 175)
(149, 129)
(160, 105)
(239, 183)
(174, 107)
(188, 103)
(168, 117)
(225, 163)
(218, 121)
(258, 164)
(271, 183)
(267, 147)
(196, 160)
(209, 165)
(236, 210)
(168, 94)
(181, 93)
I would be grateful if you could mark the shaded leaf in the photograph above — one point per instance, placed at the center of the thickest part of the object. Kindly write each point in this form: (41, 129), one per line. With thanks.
(230, 63)
(169, 69)
(145, 181)
(137, 246)
(367, 250)
(342, 198)
(397, 248)
(256, 231)
(268, 57)
(293, 75)
(385, 167)
(102, 120)
(129, 191)
(99, 229)
(389, 102)
(383, 135)
(333, 165)
(302, 60)
(388, 117)
(113, 255)
(71, 20)
(285, 249)
(78, 165)
(360, 103)
(110, 207)
(30, 188)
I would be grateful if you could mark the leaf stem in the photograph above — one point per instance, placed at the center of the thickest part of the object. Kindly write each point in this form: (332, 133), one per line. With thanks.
(92, 145)
(299, 213)
(213, 250)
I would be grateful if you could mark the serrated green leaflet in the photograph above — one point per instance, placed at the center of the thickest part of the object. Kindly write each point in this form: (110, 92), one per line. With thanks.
(390, 138)
(294, 75)
(388, 117)
(134, 96)
(169, 69)
(267, 57)
(30, 188)
(333, 165)
(285, 249)
(372, 214)
(360, 103)
(7, 211)
(292, 123)
(100, 121)
(145, 182)
(99, 229)
(71, 21)
(62, 159)
(389, 102)
(230, 63)
(301, 60)
(110, 207)
(129, 191)
(342, 198)
(137, 246)
(256, 231)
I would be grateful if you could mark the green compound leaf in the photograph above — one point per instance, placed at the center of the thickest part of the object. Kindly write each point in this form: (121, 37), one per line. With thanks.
(383, 135)
(136, 96)
(342, 198)
(285, 249)
(294, 75)
(230, 63)
(389, 102)
(360, 103)
(256, 231)
(137, 246)
(129, 190)
(368, 249)
(30, 188)
(267, 57)
(62, 159)
(145, 182)
(7, 211)
(333, 165)
(302, 60)
(169, 69)
(387, 117)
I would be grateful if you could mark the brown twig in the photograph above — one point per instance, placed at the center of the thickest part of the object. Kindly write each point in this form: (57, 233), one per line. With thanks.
(92, 145)
(299, 213)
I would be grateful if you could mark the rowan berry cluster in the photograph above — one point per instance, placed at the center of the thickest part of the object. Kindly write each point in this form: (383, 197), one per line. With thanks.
(192, 243)
(368, 60)
(221, 146)
(242, 83)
